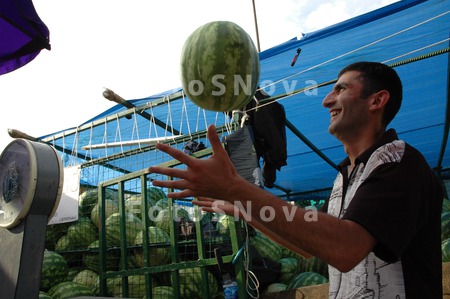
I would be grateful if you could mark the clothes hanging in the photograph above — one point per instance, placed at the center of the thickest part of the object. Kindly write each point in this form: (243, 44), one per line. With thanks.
(269, 131)
(241, 150)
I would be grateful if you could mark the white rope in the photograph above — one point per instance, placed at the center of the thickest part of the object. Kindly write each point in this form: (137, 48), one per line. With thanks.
(152, 123)
(180, 128)
(204, 119)
(169, 117)
(91, 133)
(135, 129)
(63, 141)
(317, 85)
(417, 50)
(118, 133)
(252, 282)
(198, 119)
(228, 123)
(183, 111)
(74, 149)
(105, 138)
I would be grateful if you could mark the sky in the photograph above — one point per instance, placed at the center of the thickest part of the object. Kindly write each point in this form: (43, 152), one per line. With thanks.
(133, 47)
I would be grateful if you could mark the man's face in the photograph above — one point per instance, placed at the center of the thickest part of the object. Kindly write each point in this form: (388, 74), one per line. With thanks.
(348, 111)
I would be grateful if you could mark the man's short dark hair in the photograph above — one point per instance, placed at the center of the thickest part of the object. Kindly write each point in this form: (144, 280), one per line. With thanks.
(376, 76)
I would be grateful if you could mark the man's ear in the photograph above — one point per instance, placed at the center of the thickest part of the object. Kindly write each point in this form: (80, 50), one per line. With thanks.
(379, 99)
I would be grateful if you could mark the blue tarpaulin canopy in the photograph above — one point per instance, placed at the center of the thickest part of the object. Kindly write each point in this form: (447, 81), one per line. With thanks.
(411, 36)
(22, 34)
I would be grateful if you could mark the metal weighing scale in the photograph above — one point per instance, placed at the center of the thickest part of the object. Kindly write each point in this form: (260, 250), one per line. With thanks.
(31, 180)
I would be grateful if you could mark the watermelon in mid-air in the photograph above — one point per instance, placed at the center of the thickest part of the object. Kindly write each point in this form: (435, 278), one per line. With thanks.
(220, 67)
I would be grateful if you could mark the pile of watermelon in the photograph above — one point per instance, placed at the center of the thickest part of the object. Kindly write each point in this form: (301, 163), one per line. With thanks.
(72, 259)
(295, 270)
(71, 265)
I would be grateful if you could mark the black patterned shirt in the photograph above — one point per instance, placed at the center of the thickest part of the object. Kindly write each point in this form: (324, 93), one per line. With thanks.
(393, 194)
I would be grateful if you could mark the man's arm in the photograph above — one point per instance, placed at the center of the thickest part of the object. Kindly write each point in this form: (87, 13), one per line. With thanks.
(340, 243)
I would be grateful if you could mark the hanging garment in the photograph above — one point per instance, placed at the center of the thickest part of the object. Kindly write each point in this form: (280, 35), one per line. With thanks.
(240, 149)
(268, 125)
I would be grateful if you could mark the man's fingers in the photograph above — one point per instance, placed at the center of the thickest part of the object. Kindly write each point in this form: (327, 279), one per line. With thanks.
(205, 199)
(168, 171)
(175, 153)
(215, 141)
(174, 184)
(203, 203)
(216, 206)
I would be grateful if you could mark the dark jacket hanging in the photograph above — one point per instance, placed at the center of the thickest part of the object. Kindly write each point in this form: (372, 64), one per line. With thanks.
(268, 124)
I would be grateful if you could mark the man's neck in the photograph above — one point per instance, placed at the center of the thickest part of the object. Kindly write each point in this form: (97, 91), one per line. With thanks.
(360, 144)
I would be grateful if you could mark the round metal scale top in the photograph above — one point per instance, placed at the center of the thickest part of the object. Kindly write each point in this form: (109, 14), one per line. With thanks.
(19, 171)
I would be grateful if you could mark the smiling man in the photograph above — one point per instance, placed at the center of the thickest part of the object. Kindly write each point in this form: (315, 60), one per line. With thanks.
(380, 228)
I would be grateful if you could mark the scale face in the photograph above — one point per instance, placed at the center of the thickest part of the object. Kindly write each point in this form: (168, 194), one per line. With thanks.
(18, 178)
(31, 181)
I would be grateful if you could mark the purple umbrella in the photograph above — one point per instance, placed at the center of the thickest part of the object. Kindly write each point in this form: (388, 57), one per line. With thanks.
(22, 34)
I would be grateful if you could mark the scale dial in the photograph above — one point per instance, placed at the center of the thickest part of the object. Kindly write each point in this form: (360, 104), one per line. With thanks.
(21, 163)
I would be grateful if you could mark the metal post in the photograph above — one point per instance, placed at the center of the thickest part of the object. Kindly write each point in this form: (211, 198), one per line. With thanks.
(256, 26)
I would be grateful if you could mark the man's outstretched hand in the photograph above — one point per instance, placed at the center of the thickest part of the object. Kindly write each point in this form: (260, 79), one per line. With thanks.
(213, 177)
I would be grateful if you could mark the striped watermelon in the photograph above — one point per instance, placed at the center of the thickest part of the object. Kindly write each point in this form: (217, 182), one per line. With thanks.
(285, 252)
(82, 233)
(445, 205)
(191, 283)
(65, 248)
(288, 268)
(445, 246)
(54, 270)
(266, 247)
(136, 286)
(73, 271)
(155, 194)
(219, 66)
(44, 295)
(163, 220)
(89, 198)
(133, 225)
(305, 279)
(69, 289)
(91, 258)
(111, 207)
(88, 278)
(160, 205)
(53, 233)
(445, 225)
(86, 201)
(162, 292)
(133, 205)
(158, 255)
(313, 264)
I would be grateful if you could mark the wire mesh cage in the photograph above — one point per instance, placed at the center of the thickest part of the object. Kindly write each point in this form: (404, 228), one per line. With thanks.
(163, 245)
(130, 239)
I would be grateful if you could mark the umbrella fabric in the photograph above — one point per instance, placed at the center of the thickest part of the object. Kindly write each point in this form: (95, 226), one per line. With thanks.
(22, 34)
